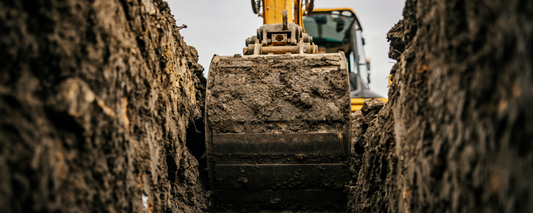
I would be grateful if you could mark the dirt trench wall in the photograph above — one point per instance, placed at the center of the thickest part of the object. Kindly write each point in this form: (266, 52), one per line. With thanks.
(456, 134)
(95, 101)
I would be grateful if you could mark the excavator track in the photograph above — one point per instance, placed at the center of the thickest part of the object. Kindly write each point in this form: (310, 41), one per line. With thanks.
(278, 132)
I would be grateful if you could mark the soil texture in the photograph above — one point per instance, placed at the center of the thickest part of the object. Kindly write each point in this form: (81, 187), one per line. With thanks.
(278, 94)
(102, 108)
(96, 98)
(457, 131)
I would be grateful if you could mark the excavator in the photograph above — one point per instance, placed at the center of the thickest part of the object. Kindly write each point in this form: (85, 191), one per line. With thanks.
(339, 29)
(278, 117)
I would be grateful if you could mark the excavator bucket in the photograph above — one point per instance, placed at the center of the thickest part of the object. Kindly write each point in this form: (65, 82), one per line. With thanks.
(278, 132)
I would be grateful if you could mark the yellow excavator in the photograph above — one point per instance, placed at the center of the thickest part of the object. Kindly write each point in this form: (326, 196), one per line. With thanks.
(339, 29)
(278, 117)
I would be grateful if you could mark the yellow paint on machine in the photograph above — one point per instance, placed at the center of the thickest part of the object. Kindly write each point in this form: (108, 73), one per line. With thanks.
(273, 11)
(333, 9)
(357, 103)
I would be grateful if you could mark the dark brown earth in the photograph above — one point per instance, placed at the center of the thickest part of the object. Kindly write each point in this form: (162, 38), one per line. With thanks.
(95, 101)
(278, 94)
(457, 131)
(101, 102)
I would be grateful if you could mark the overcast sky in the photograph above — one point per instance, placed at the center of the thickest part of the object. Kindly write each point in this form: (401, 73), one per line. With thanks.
(221, 26)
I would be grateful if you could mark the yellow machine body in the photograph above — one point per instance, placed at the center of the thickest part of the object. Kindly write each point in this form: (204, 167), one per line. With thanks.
(273, 11)
(357, 103)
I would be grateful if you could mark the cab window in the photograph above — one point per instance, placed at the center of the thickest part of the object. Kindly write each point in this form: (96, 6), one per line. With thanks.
(329, 29)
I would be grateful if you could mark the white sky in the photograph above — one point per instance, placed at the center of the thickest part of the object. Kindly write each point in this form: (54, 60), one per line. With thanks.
(221, 26)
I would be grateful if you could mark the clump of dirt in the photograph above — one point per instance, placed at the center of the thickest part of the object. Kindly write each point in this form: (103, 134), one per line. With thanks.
(278, 94)
(372, 157)
(360, 123)
(455, 135)
(95, 101)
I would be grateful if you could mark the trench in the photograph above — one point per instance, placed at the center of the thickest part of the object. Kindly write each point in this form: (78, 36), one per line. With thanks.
(102, 105)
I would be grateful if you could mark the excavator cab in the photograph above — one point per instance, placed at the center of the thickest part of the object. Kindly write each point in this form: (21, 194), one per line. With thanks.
(339, 29)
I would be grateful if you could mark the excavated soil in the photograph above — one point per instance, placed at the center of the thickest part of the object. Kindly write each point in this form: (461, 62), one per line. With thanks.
(96, 98)
(278, 94)
(457, 131)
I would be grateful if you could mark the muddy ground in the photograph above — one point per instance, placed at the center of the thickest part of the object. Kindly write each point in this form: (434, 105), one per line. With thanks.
(95, 101)
(101, 102)
(457, 131)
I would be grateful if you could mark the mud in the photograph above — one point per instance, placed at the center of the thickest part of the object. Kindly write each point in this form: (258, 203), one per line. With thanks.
(96, 98)
(278, 95)
(456, 133)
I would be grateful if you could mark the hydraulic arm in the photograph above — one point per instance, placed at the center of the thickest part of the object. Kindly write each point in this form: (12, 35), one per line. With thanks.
(282, 31)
